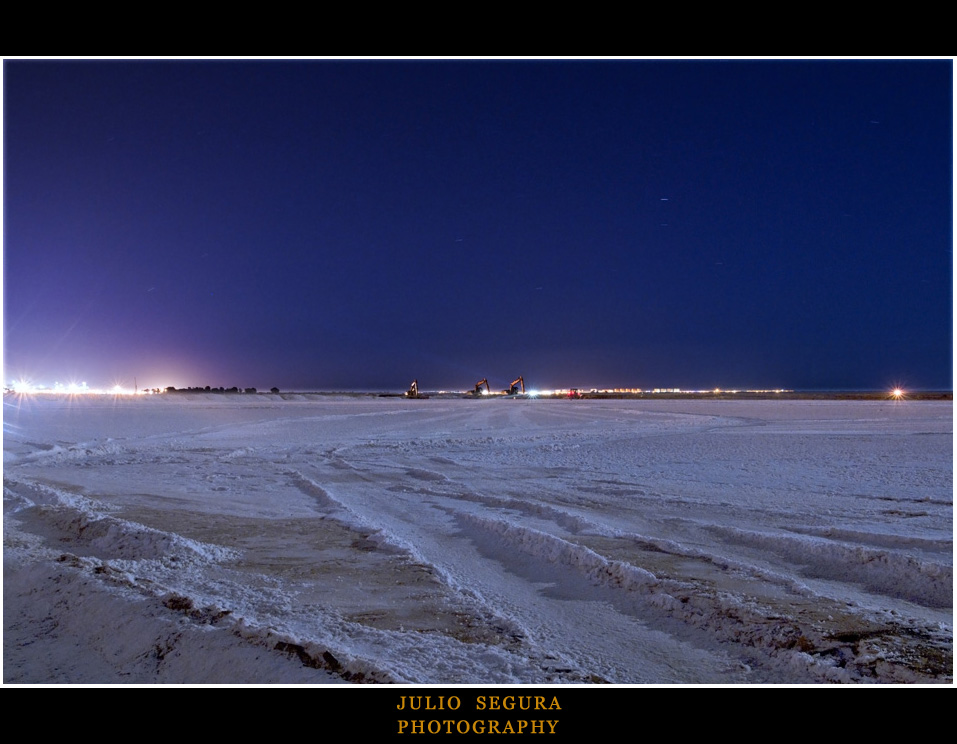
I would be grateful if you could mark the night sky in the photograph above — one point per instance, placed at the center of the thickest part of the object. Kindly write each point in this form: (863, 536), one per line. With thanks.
(346, 224)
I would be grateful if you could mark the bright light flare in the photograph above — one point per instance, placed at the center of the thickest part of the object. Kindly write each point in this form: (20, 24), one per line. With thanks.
(23, 386)
(897, 393)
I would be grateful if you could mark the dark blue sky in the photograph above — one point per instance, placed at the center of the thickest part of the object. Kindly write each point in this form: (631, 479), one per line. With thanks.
(357, 224)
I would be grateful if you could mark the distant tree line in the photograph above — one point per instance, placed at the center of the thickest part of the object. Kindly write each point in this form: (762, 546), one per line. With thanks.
(221, 390)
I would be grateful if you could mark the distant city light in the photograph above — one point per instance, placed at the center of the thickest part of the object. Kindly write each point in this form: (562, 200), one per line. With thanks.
(23, 387)
(27, 387)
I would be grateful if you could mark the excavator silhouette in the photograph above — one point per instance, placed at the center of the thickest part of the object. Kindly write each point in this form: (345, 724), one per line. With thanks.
(478, 388)
(413, 391)
(513, 389)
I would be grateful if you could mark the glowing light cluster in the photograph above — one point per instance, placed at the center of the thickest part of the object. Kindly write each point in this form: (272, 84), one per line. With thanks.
(27, 387)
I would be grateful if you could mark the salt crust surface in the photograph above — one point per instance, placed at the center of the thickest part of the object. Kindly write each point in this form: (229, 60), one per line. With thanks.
(336, 540)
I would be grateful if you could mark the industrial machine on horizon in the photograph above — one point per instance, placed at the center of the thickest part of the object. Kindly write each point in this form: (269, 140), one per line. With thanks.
(413, 391)
(477, 391)
(514, 387)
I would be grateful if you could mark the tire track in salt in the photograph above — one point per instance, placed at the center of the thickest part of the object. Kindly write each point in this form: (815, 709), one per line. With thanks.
(771, 629)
